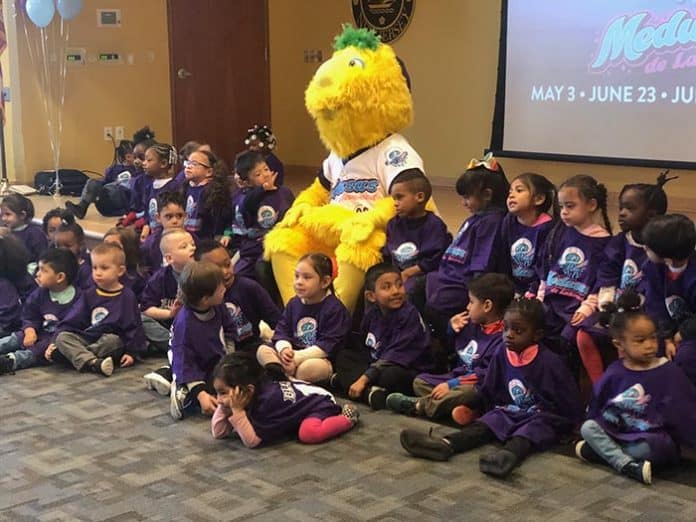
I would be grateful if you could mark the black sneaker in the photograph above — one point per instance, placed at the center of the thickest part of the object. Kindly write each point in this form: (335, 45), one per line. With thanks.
(377, 398)
(640, 470)
(400, 403)
(160, 380)
(7, 365)
(178, 401)
(585, 453)
(498, 463)
(425, 446)
(102, 366)
(75, 210)
(334, 381)
(351, 413)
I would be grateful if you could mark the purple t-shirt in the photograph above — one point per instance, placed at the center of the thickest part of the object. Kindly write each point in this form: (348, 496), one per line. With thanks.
(325, 324)
(538, 400)
(248, 304)
(278, 408)
(198, 342)
(398, 337)
(34, 240)
(10, 307)
(655, 405)
(419, 241)
(43, 314)
(98, 312)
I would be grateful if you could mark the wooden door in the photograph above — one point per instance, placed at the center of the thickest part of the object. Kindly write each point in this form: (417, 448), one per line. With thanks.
(219, 71)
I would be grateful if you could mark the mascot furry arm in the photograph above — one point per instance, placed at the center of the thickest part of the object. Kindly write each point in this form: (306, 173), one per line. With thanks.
(360, 99)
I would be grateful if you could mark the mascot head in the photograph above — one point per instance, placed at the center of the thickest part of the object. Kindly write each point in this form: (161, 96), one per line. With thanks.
(360, 95)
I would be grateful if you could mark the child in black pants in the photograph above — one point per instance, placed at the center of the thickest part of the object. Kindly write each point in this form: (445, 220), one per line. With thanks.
(396, 343)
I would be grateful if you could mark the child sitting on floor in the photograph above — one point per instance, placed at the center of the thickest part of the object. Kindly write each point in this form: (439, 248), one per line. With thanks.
(198, 339)
(263, 411)
(104, 326)
(71, 236)
(643, 406)
(41, 312)
(397, 342)
(13, 273)
(16, 213)
(313, 327)
(171, 214)
(478, 335)
(530, 395)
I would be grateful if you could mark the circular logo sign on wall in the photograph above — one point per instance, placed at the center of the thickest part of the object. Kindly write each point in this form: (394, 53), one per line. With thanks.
(388, 18)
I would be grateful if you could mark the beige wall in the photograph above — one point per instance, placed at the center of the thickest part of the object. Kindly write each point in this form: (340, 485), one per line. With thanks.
(451, 51)
(97, 95)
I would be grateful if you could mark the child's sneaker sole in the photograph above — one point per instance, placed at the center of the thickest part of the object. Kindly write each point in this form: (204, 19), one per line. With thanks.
(106, 367)
(157, 383)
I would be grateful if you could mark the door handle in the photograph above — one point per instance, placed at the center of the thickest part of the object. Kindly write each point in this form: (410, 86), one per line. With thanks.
(182, 73)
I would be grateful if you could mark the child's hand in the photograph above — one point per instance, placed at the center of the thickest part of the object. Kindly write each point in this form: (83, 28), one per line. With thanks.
(30, 337)
(225, 240)
(459, 321)
(176, 306)
(409, 272)
(358, 387)
(287, 356)
(239, 398)
(670, 349)
(269, 185)
(440, 391)
(207, 402)
(126, 360)
(48, 354)
(144, 232)
(578, 317)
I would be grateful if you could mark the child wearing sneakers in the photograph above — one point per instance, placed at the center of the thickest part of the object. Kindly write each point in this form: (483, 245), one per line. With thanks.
(416, 238)
(530, 394)
(198, 339)
(397, 342)
(104, 325)
(42, 310)
(261, 410)
(478, 336)
(643, 406)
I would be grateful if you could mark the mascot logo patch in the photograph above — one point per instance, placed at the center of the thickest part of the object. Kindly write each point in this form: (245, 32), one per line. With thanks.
(568, 279)
(630, 275)
(98, 315)
(405, 253)
(469, 354)
(677, 308)
(307, 331)
(573, 262)
(522, 255)
(522, 399)
(50, 322)
(152, 210)
(628, 409)
(241, 324)
(266, 216)
(388, 18)
(396, 157)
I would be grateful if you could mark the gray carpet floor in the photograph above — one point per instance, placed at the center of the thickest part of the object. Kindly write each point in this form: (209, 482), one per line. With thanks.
(80, 447)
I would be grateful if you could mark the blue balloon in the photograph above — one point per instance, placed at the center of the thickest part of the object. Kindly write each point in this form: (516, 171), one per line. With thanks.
(69, 9)
(40, 11)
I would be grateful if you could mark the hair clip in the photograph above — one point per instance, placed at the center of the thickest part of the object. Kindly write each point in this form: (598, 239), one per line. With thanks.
(488, 162)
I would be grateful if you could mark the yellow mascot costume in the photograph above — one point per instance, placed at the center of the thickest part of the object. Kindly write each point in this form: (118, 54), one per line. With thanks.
(360, 99)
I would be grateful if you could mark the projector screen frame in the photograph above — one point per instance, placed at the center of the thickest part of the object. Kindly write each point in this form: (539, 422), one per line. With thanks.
(498, 130)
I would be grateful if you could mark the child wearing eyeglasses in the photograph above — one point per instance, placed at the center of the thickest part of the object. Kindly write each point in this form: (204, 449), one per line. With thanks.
(207, 195)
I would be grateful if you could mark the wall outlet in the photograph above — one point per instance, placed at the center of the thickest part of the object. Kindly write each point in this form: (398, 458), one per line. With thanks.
(119, 133)
(108, 133)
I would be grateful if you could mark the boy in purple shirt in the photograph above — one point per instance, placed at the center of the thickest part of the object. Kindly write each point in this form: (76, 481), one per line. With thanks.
(262, 206)
(171, 214)
(104, 325)
(198, 339)
(42, 311)
(396, 342)
(416, 238)
(478, 334)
